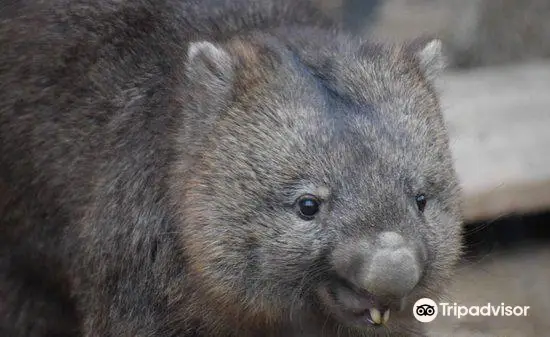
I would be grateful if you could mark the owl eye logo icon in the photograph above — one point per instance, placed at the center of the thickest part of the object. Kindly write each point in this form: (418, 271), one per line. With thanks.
(425, 310)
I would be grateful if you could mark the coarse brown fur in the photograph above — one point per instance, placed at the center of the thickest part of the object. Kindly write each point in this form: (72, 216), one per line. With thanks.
(151, 154)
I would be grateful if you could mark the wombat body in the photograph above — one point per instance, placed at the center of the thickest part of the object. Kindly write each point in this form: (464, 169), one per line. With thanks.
(181, 168)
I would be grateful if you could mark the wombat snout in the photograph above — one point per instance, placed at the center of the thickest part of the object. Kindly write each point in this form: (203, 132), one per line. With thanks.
(394, 268)
(384, 269)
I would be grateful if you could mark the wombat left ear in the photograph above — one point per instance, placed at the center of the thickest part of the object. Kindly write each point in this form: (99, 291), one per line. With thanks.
(428, 52)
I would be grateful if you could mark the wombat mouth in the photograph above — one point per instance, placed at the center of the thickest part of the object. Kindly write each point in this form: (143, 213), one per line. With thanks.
(354, 307)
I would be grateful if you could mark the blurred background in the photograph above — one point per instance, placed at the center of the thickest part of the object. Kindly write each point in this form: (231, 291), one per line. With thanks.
(496, 99)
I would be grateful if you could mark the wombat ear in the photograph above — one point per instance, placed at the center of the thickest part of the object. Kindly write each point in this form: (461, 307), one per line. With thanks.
(209, 83)
(209, 65)
(429, 54)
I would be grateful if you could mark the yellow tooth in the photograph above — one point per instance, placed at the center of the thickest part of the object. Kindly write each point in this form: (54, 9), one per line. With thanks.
(386, 316)
(375, 316)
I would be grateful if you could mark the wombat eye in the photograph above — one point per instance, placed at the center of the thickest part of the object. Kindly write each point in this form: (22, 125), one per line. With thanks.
(421, 202)
(308, 206)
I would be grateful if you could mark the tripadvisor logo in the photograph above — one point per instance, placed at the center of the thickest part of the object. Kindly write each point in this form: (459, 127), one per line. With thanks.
(426, 310)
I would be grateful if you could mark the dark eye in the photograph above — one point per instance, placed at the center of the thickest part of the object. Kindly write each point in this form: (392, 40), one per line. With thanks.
(308, 206)
(421, 202)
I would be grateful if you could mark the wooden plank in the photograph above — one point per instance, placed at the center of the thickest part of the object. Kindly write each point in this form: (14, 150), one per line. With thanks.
(499, 124)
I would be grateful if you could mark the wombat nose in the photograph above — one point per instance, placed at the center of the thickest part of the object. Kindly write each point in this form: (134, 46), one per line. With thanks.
(389, 269)
(391, 273)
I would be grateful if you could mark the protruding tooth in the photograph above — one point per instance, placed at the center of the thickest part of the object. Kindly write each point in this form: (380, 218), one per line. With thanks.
(386, 317)
(375, 316)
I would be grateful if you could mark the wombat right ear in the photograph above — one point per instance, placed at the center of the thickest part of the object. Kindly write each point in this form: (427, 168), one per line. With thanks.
(209, 65)
(429, 54)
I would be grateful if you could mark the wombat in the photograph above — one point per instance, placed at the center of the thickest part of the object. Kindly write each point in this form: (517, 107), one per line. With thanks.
(238, 168)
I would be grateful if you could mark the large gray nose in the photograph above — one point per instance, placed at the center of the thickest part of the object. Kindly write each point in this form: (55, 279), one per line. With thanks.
(394, 268)
(388, 267)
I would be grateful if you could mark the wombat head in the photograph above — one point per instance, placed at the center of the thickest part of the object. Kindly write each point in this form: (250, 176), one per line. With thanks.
(315, 180)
